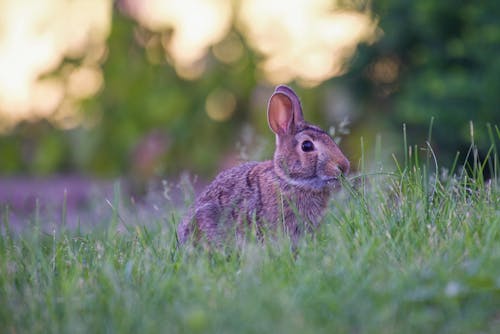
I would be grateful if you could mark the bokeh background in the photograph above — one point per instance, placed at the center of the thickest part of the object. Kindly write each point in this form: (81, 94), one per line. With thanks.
(146, 89)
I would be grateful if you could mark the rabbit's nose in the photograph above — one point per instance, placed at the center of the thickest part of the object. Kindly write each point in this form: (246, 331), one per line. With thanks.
(344, 166)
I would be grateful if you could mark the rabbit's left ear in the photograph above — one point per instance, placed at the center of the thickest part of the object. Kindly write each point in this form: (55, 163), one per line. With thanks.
(284, 111)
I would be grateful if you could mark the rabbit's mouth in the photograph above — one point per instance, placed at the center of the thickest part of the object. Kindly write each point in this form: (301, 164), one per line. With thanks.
(331, 181)
(316, 182)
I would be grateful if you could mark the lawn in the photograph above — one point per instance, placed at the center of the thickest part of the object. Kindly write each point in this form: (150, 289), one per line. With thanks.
(401, 250)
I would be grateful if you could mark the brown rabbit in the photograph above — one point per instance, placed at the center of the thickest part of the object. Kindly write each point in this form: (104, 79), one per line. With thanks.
(290, 192)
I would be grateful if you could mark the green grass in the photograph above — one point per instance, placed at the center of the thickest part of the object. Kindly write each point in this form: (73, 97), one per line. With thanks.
(401, 252)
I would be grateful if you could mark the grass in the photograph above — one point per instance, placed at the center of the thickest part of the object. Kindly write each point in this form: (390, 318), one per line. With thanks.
(402, 252)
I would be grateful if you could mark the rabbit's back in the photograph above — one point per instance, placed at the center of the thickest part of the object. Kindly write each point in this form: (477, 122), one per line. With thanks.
(234, 200)
(232, 186)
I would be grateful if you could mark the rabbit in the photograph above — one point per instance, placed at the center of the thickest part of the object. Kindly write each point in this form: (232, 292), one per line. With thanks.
(289, 192)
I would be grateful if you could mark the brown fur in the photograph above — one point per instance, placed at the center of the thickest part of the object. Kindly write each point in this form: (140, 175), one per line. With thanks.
(289, 192)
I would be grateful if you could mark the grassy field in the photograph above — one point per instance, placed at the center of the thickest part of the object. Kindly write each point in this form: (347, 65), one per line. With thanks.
(399, 252)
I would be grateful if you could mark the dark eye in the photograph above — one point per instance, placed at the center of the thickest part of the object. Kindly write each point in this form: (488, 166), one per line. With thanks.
(307, 146)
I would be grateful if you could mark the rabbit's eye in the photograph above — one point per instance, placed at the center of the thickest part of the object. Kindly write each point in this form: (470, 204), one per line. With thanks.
(307, 146)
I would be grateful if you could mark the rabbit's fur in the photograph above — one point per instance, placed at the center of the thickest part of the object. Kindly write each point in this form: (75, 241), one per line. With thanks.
(290, 192)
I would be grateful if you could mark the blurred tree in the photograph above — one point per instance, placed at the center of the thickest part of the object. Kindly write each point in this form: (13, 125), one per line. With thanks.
(143, 94)
(435, 59)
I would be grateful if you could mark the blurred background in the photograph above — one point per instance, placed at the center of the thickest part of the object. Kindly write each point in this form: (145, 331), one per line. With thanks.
(147, 89)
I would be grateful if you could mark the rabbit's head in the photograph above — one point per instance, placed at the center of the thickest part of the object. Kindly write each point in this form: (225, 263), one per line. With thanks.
(305, 155)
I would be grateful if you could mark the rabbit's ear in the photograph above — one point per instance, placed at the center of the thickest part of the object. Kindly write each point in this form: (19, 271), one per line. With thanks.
(284, 111)
(280, 114)
(296, 106)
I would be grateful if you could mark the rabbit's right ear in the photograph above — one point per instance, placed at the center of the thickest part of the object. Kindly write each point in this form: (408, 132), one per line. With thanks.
(280, 114)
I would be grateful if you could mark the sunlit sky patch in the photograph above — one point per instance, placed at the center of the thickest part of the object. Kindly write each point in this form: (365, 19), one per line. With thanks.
(35, 36)
(309, 40)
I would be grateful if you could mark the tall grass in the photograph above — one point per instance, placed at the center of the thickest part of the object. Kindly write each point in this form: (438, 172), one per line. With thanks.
(414, 249)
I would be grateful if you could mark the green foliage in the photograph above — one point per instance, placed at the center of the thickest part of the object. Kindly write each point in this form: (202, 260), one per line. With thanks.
(140, 97)
(434, 60)
(407, 252)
